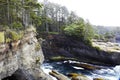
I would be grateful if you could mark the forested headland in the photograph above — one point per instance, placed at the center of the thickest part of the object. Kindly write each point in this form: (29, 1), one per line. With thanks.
(46, 16)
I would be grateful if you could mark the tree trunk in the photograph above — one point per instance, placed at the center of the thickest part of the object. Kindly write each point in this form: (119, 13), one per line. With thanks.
(8, 14)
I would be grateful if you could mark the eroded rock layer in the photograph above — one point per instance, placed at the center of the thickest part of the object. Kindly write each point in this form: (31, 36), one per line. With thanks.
(21, 60)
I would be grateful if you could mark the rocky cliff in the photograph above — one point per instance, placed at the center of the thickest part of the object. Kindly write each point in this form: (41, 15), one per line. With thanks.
(64, 47)
(21, 60)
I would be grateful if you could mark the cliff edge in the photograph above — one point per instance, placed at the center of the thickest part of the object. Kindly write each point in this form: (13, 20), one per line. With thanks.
(61, 47)
(21, 60)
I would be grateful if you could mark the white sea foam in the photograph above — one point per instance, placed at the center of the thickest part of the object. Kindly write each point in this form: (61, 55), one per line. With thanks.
(47, 68)
(110, 73)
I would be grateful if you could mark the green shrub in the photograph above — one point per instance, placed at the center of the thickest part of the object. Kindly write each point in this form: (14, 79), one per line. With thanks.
(5, 27)
(96, 36)
(8, 40)
(74, 30)
(16, 25)
(2, 37)
(13, 35)
(81, 30)
(97, 48)
(88, 42)
(21, 34)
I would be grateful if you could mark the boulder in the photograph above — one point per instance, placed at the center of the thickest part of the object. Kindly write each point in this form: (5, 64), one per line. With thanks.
(99, 79)
(75, 76)
(58, 75)
(84, 65)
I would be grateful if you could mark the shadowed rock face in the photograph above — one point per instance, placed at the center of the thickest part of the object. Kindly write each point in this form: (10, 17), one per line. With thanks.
(24, 62)
(60, 45)
(20, 75)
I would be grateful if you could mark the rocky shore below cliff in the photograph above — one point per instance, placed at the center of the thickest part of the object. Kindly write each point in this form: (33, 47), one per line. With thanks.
(21, 60)
(107, 46)
(80, 71)
(60, 48)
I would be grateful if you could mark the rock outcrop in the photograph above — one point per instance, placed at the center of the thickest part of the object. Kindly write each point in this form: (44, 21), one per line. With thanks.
(69, 47)
(71, 76)
(58, 75)
(22, 61)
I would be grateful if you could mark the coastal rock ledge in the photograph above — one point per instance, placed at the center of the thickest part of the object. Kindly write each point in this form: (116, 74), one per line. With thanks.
(21, 60)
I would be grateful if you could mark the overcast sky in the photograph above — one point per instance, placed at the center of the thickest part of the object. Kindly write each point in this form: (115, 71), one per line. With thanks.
(98, 12)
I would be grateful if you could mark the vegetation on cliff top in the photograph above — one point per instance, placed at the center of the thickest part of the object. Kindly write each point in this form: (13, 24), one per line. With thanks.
(81, 30)
(46, 16)
(2, 39)
(16, 16)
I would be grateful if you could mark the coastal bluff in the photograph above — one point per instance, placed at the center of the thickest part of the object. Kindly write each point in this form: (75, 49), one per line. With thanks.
(21, 60)
(61, 47)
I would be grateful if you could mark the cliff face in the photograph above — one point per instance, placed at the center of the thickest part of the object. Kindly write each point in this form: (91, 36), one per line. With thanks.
(23, 61)
(61, 46)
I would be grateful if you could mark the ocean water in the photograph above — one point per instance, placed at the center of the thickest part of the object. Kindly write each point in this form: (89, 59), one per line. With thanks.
(108, 73)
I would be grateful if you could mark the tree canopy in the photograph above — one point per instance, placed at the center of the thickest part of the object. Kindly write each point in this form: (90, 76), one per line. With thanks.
(81, 30)
(46, 16)
(18, 11)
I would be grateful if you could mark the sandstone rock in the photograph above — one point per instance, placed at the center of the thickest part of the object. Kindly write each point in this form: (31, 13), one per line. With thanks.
(72, 75)
(80, 78)
(75, 76)
(99, 79)
(24, 62)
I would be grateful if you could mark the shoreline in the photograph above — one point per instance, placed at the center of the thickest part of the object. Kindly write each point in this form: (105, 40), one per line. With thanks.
(107, 46)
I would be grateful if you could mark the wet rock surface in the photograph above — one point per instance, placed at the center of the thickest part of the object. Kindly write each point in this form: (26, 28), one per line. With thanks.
(84, 65)
(99, 79)
(58, 75)
(70, 76)
(75, 76)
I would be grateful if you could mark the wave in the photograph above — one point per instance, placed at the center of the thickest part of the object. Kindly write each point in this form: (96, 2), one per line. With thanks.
(108, 73)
